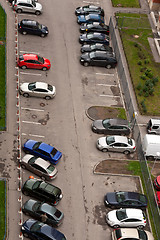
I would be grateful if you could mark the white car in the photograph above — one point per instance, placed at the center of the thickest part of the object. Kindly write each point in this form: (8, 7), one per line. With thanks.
(38, 89)
(131, 234)
(126, 217)
(116, 144)
(39, 166)
(29, 6)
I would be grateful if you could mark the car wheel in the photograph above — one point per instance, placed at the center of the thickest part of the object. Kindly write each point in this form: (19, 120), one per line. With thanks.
(86, 64)
(37, 12)
(25, 94)
(26, 235)
(43, 35)
(23, 166)
(47, 97)
(44, 69)
(19, 10)
(104, 150)
(140, 227)
(116, 226)
(24, 33)
(23, 67)
(126, 152)
(25, 193)
(108, 66)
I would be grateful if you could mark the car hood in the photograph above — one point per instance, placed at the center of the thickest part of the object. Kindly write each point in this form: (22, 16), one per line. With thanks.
(46, 61)
(28, 224)
(85, 56)
(111, 198)
(83, 37)
(26, 158)
(102, 141)
(98, 124)
(44, 28)
(38, 6)
(29, 204)
(24, 87)
(29, 144)
(112, 216)
(86, 48)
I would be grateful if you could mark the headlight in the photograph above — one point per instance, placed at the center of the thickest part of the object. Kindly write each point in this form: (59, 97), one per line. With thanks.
(82, 60)
(23, 228)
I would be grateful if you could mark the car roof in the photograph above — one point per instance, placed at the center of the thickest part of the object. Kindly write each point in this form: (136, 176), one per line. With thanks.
(48, 187)
(51, 232)
(118, 121)
(155, 121)
(134, 213)
(46, 147)
(29, 22)
(48, 209)
(30, 56)
(24, 1)
(92, 15)
(41, 162)
(41, 85)
(121, 139)
(129, 232)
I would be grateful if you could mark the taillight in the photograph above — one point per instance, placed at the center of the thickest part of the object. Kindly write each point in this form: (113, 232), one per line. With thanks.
(134, 147)
(145, 221)
(15, 5)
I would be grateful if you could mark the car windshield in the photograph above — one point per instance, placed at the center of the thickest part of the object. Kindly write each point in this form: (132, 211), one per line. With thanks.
(89, 36)
(89, 25)
(142, 235)
(36, 185)
(50, 169)
(120, 197)
(110, 140)
(36, 145)
(36, 226)
(32, 86)
(39, 26)
(106, 123)
(92, 55)
(54, 150)
(142, 198)
(130, 141)
(32, 160)
(50, 87)
(41, 59)
(33, 2)
(36, 206)
(87, 17)
(121, 214)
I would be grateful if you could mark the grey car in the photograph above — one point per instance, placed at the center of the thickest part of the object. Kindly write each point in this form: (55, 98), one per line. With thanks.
(39, 166)
(29, 6)
(36, 209)
(111, 126)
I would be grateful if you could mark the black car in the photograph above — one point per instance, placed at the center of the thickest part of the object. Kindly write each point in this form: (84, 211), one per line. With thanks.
(94, 27)
(94, 38)
(27, 26)
(125, 199)
(40, 231)
(111, 126)
(96, 47)
(98, 58)
(42, 191)
(89, 9)
(36, 209)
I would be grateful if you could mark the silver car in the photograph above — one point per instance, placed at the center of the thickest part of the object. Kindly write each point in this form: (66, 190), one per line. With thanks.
(39, 166)
(38, 89)
(116, 144)
(131, 234)
(30, 6)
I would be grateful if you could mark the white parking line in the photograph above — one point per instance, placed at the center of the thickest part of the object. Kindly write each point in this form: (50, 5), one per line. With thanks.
(35, 74)
(32, 135)
(33, 109)
(105, 74)
(106, 85)
(37, 123)
(108, 96)
(29, 52)
(91, 2)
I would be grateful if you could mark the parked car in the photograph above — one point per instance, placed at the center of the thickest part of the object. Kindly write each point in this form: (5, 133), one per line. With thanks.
(158, 198)
(96, 47)
(94, 27)
(27, 26)
(29, 6)
(157, 183)
(37, 89)
(42, 150)
(35, 209)
(39, 166)
(94, 38)
(111, 126)
(39, 231)
(125, 199)
(89, 9)
(126, 217)
(90, 18)
(131, 234)
(153, 126)
(30, 60)
(98, 58)
(116, 144)
(42, 190)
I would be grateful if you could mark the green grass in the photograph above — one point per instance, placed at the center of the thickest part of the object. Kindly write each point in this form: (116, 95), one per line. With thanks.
(121, 113)
(2, 209)
(126, 3)
(140, 59)
(2, 70)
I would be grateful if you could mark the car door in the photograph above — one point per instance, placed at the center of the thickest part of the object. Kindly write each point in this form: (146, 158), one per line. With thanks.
(29, 63)
(130, 222)
(31, 29)
(37, 64)
(98, 61)
(29, 8)
(115, 147)
(39, 92)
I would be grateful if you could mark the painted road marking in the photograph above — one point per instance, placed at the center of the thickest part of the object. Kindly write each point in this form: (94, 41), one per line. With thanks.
(106, 85)
(91, 2)
(105, 74)
(33, 109)
(33, 135)
(37, 123)
(29, 52)
(108, 96)
(35, 74)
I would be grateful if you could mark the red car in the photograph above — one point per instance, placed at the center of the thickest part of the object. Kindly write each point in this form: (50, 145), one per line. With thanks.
(157, 183)
(29, 60)
(158, 198)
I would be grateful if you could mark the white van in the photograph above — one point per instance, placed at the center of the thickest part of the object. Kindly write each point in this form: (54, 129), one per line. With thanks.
(153, 126)
(151, 147)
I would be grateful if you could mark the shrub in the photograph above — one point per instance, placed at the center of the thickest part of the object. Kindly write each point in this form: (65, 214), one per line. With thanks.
(141, 55)
(136, 44)
(154, 80)
(143, 106)
(140, 92)
(139, 86)
(146, 61)
(143, 77)
(151, 91)
(146, 94)
(140, 62)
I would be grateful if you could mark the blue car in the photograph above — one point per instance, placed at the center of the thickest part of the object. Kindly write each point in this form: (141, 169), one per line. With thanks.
(90, 18)
(40, 231)
(90, 38)
(42, 150)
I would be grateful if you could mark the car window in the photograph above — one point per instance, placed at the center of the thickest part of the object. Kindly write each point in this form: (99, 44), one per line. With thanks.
(40, 59)
(36, 145)
(110, 140)
(120, 196)
(29, 61)
(32, 160)
(37, 62)
(40, 90)
(50, 87)
(142, 235)
(121, 214)
(38, 168)
(106, 123)
(50, 169)
(31, 86)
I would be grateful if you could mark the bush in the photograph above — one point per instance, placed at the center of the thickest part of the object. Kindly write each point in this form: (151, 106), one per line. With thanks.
(146, 61)
(140, 62)
(136, 44)
(141, 55)
(140, 92)
(143, 106)
(143, 77)
(146, 94)
(139, 86)
(155, 80)
(145, 88)
(151, 91)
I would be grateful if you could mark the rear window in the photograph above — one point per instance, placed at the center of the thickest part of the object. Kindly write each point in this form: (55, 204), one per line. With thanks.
(54, 151)
(130, 141)
(142, 235)
(118, 233)
(57, 213)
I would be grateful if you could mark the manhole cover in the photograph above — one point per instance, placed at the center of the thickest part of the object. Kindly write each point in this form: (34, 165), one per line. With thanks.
(42, 104)
(34, 116)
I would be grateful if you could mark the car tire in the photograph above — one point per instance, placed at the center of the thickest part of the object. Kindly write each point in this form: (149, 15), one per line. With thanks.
(24, 67)
(116, 226)
(44, 69)
(86, 64)
(108, 66)
(37, 12)
(23, 166)
(19, 11)
(47, 97)
(25, 95)
(104, 150)
(24, 33)
(43, 35)
(26, 235)
(26, 193)
(126, 152)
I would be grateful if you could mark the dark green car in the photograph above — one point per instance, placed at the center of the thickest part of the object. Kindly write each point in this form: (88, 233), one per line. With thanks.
(36, 209)
(42, 190)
